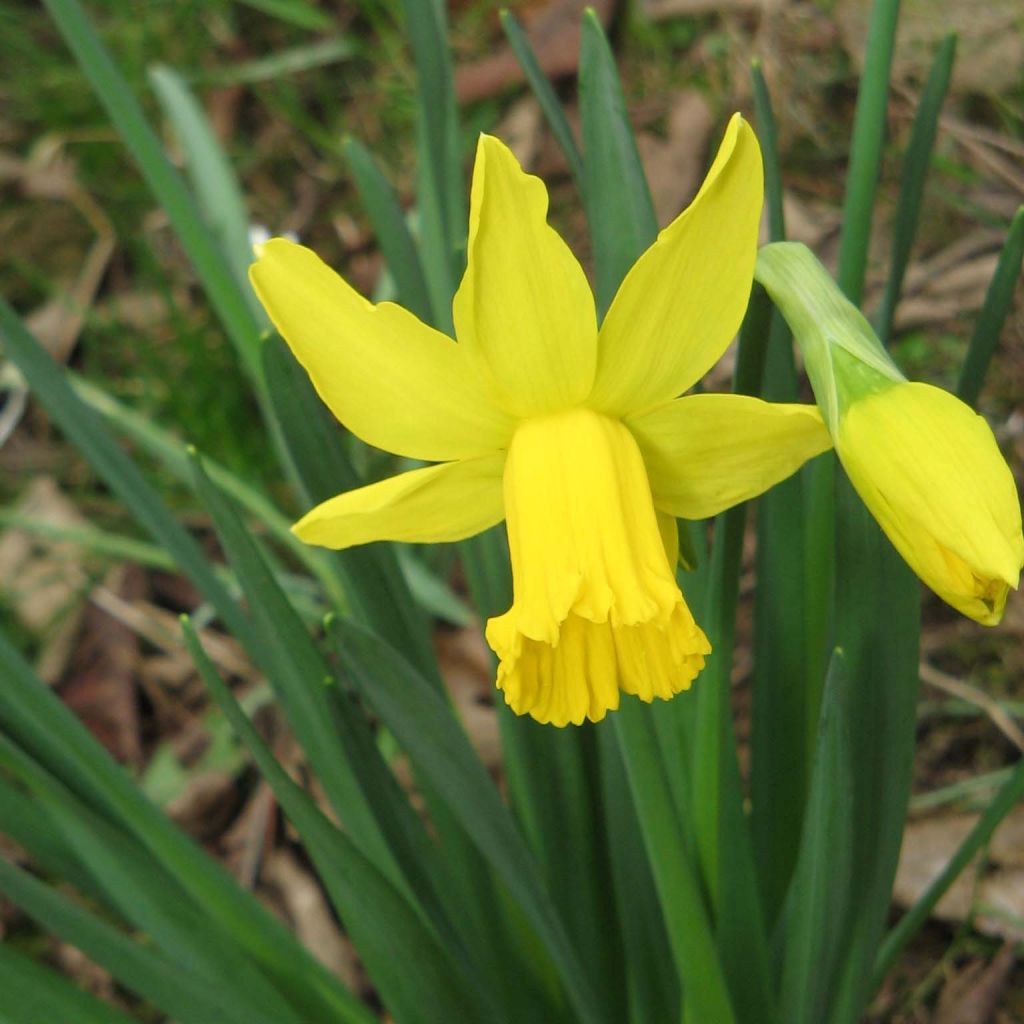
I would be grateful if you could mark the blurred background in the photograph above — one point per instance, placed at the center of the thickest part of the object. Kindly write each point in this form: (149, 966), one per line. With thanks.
(90, 260)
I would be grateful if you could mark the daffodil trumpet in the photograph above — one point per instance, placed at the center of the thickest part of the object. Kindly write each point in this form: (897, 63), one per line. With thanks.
(924, 463)
(575, 434)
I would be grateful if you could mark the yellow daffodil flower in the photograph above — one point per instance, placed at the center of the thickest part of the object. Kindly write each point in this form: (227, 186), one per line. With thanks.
(925, 464)
(574, 434)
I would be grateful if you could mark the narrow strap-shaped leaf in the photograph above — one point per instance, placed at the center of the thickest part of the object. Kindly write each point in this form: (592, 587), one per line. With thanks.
(34, 993)
(617, 199)
(388, 220)
(675, 874)
(651, 978)
(189, 999)
(438, 748)
(553, 778)
(720, 825)
(1009, 796)
(915, 170)
(142, 894)
(172, 454)
(878, 629)
(440, 191)
(299, 675)
(43, 727)
(998, 302)
(213, 181)
(782, 719)
(817, 901)
(866, 147)
(163, 180)
(544, 94)
(414, 973)
(370, 575)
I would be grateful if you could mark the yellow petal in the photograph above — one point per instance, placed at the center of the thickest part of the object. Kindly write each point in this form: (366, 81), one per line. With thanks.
(524, 308)
(705, 453)
(669, 530)
(930, 471)
(393, 381)
(439, 503)
(682, 302)
(596, 607)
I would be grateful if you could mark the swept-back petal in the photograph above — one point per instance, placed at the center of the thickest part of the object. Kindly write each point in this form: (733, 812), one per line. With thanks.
(439, 503)
(393, 381)
(683, 300)
(705, 453)
(524, 308)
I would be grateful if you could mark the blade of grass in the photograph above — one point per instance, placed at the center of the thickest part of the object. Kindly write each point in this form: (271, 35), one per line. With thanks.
(295, 12)
(544, 94)
(877, 627)
(213, 181)
(440, 194)
(1008, 797)
(652, 984)
(173, 456)
(915, 170)
(438, 748)
(391, 230)
(45, 729)
(675, 874)
(553, 779)
(784, 710)
(188, 999)
(141, 893)
(163, 180)
(998, 302)
(413, 971)
(816, 902)
(617, 199)
(371, 579)
(33, 993)
(866, 147)
(278, 66)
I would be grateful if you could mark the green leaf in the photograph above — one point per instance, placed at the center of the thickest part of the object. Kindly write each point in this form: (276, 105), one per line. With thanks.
(878, 629)
(140, 892)
(279, 65)
(295, 12)
(213, 181)
(370, 577)
(146, 973)
(816, 906)
(915, 170)
(44, 728)
(544, 94)
(414, 973)
(998, 303)
(618, 202)
(33, 993)
(389, 225)
(439, 750)
(675, 873)
(440, 191)
(163, 180)
(1008, 797)
(866, 147)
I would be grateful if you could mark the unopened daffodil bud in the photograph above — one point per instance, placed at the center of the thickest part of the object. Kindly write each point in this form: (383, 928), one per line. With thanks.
(925, 464)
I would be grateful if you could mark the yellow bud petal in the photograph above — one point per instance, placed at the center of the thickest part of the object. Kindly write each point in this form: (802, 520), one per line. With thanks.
(930, 471)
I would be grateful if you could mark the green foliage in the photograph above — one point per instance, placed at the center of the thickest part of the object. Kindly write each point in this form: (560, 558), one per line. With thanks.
(620, 874)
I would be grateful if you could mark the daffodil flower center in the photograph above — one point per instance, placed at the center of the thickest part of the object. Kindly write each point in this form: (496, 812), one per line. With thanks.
(596, 606)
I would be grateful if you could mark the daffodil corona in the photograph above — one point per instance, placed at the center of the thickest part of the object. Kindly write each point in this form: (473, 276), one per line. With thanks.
(574, 434)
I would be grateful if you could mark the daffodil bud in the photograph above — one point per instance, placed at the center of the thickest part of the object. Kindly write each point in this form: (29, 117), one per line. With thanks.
(925, 464)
